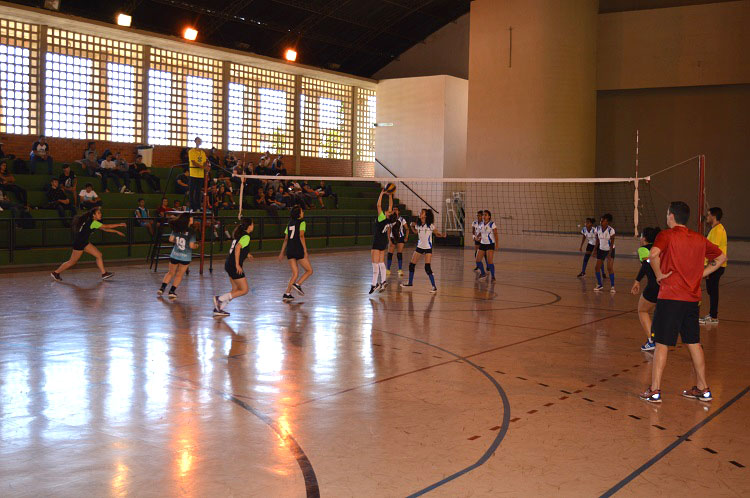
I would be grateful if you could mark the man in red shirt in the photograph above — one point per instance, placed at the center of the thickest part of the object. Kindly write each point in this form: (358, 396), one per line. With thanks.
(677, 259)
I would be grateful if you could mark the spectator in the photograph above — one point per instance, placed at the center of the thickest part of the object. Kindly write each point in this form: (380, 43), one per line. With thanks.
(199, 167)
(40, 153)
(109, 170)
(104, 156)
(143, 174)
(718, 236)
(248, 168)
(124, 172)
(3, 155)
(236, 182)
(182, 183)
(271, 197)
(224, 197)
(295, 190)
(260, 168)
(8, 184)
(68, 180)
(90, 149)
(230, 161)
(88, 198)
(20, 213)
(91, 166)
(324, 190)
(277, 167)
(163, 209)
(282, 196)
(56, 199)
(262, 203)
(142, 218)
(223, 179)
(213, 158)
(310, 195)
(177, 206)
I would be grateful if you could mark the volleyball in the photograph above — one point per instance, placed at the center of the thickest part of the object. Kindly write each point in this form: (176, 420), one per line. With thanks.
(390, 188)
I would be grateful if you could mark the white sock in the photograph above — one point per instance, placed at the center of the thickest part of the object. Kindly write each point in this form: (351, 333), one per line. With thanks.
(226, 297)
(382, 272)
(375, 270)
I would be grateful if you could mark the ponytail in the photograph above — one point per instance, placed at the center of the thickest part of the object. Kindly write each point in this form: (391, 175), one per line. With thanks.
(83, 218)
(241, 229)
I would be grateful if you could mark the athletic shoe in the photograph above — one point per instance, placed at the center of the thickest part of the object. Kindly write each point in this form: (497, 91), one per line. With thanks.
(160, 292)
(373, 288)
(407, 285)
(612, 290)
(401, 273)
(383, 286)
(287, 297)
(494, 279)
(98, 174)
(217, 303)
(482, 276)
(172, 295)
(651, 396)
(298, 288)
(581, 275)
(598, 288)
(707, 320)
(56, 276)
(107, 275)
(387, 273)
(123, 189)
(476, 269)
(433, 290)
(695, 393)
(218, 312)
(649, 346)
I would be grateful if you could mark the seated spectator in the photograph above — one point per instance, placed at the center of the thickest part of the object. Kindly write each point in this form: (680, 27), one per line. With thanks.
(90, 149)
(56, 199)
(262, 203)
(91, 165)
(236, 182)
(104, 156)
(177, 206)
(68, 180)
(324, 190)
(224, 197)
(310, 195)
(260, 169)
(40, 153)
(88, 198)
(230, 161)
(271, 197)
(248, 168)
(182, 183)
(109, 170)
(223, 179)
(277, 167)
(213, 158)
(142, 218)
(20, 213)
(283, 197)
(163, 209)
(143, 174)
(8, 184)
(124, 172)
(3, 155)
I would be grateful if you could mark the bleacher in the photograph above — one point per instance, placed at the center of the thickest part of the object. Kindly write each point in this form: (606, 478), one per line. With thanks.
(49, 241)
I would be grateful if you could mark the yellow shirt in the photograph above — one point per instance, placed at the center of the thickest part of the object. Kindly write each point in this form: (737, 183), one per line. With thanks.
(718, 235)
(199, 156)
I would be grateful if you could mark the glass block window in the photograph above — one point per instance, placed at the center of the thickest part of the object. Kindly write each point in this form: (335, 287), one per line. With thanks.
(94, 87)
(185, 99)
(19, 59)
(261, 110)
(325, 119)
(366, 118)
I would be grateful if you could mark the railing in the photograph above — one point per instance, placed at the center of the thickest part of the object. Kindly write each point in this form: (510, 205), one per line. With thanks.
(407, 186)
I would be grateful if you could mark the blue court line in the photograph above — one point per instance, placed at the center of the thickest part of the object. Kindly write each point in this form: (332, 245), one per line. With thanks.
(617, 487)
(500, 434)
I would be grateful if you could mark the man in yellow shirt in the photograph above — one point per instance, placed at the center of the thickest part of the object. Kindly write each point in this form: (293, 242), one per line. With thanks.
(199, 164)
(717, 235)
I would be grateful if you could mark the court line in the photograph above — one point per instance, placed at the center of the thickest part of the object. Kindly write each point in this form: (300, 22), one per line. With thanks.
(617, 487)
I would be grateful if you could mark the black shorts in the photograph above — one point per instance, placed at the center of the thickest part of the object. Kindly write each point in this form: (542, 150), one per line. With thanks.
(590, 247)
(424, 251)
(380, 245)
(673, 318)
(651, 294)
(231, 270)
(487, 247)
(178, 262)
(600, 254)
(397, 240)
(295, 255)
(78, 247)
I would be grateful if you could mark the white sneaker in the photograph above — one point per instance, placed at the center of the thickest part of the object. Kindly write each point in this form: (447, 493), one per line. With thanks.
(707, 320)
(598, 288)
(123, 189)
(612, 290)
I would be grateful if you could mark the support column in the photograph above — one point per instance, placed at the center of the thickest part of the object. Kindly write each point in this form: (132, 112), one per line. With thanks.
(144, 103)
(353, 145)
(41, 80)
(225, 75)
(297, 124)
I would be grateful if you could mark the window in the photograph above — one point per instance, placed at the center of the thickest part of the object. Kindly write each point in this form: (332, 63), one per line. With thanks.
(366, 118)
(94, 87)
(19, 55)
(261, 115)
(185, 99)
(325, 122)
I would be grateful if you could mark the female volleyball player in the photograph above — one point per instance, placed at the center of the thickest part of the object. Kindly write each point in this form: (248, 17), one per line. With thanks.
(487, 241)
(380, 244)
(83, 225)
(399, 236)
(424, 229)
(588, 235)
(184, 242)
(647, 301)
(295, 248)
(605, 243)
(238, 252)
(475, 227)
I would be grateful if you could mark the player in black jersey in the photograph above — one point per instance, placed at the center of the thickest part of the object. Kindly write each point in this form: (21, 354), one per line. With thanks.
(83, 225)
(183, 238)
(399, 236)
(238, 252)
(295, 248)
(647, 301)
(380, 235)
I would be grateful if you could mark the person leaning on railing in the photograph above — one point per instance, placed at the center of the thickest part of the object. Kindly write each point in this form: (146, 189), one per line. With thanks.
(199, 167)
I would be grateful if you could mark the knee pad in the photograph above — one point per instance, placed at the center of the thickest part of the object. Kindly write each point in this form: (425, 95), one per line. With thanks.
(428, 268)
(412, 266)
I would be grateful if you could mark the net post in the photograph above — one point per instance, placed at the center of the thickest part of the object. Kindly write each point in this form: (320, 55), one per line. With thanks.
(701, 190)
(203, 220)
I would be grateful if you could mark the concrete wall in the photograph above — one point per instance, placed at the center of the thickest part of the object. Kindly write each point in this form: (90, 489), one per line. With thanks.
(532, 108)
(444, 52)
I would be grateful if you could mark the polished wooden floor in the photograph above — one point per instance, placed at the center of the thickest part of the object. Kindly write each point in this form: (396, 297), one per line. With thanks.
(522, 388)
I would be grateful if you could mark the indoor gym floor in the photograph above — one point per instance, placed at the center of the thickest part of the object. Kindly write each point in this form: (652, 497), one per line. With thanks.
(527, 387)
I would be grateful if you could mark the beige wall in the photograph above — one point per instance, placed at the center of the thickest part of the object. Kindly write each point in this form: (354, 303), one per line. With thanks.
(536, 118)
(444, 52)
(682, 46)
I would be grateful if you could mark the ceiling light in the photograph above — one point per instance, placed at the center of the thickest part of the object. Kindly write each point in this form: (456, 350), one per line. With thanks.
(124, 20)
(52, 4)
(190, 34)
(290, 55)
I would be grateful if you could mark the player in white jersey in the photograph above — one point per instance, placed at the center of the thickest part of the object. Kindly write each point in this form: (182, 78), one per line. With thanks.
(399, 236)
(588, 235)
(605, 249)
(424, 230)
(475, 233)
(487, 238)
